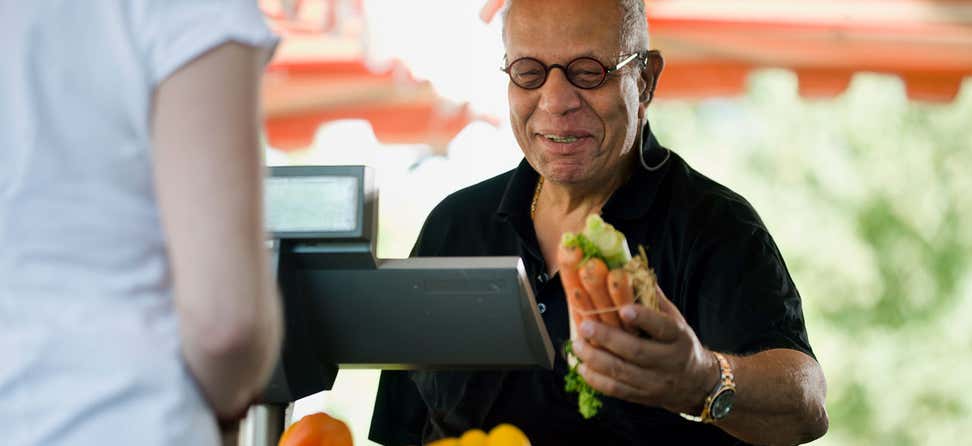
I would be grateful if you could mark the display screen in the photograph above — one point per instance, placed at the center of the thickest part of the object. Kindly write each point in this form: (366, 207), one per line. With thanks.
(312, 204)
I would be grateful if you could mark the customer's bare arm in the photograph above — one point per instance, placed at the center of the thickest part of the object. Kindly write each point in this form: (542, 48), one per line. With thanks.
(208, 177)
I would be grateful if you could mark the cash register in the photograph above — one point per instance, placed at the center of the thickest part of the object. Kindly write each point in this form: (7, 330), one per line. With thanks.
(346, 308)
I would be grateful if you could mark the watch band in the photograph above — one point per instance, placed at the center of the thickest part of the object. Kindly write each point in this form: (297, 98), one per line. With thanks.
(727, 381)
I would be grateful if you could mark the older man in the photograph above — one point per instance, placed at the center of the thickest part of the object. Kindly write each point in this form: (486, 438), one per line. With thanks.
(726, 359)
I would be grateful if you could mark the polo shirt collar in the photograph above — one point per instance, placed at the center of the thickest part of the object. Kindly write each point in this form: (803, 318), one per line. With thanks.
(519, 191)
(635, 197)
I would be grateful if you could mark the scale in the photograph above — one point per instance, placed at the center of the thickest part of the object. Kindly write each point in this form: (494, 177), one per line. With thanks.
(346, 308)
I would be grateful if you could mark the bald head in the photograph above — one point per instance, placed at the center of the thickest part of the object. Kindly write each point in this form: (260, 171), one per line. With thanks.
(631, 20)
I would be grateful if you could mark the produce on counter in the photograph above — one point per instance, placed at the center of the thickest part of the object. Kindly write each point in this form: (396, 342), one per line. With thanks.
(317, 429)
(501, 435)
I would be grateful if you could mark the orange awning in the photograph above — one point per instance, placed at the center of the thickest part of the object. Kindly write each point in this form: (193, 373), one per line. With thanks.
(320, 74)
(299, 97)
(710, 46)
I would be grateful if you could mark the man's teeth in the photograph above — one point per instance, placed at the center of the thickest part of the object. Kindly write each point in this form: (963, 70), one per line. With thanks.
(561, 139)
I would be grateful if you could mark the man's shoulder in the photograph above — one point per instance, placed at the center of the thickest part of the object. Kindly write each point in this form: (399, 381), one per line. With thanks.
(466, 222)
(703, 199)
(473, 202)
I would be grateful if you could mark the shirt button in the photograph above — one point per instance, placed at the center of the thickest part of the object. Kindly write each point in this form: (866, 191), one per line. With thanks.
(542, 307)
(543, 277)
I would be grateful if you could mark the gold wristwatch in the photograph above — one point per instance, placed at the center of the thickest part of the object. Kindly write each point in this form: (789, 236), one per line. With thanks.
(719, 403)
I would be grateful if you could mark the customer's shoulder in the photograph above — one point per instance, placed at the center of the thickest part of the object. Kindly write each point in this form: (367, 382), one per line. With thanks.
(477, 200)
(703, 199)
(465, 222)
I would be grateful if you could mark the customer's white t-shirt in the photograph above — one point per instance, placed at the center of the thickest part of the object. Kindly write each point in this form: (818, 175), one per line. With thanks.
(89, 344)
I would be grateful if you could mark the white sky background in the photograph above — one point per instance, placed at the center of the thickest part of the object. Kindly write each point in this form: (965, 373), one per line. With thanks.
(444, 42)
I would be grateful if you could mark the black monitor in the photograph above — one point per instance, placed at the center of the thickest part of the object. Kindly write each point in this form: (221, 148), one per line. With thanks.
(347, 309)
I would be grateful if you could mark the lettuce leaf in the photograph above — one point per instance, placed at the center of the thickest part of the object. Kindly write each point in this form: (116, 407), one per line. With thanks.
(588, 401)
(600, 240)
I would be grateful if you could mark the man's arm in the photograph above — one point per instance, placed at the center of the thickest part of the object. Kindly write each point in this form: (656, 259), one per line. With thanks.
(779, 398)
(779, 393)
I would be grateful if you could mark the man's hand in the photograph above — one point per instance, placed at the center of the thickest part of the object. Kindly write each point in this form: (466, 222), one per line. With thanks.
(780, 392)
(667, 368)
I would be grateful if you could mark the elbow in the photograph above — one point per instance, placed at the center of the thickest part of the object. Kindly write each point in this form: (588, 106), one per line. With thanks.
(231, 358)
(231, 338)
(809, 418)
(816, 421)
(817, 425)
(814, 428)
(249, 340)
(811, 428)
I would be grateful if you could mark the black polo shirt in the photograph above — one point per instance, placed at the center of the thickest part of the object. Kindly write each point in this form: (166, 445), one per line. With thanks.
(714, 259)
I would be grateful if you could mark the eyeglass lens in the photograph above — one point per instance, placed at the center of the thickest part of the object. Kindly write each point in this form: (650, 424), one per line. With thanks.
(583, 72)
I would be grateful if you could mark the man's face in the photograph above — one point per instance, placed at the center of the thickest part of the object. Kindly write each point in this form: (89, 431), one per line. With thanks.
(571, 135)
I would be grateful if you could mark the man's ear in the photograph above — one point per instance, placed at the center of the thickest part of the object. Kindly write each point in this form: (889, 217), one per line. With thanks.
(650, 74)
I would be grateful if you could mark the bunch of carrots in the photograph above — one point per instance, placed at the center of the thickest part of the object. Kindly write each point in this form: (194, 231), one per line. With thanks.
(599, 277)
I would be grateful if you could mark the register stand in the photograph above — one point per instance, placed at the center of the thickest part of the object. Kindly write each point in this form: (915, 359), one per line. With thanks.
(345, 308)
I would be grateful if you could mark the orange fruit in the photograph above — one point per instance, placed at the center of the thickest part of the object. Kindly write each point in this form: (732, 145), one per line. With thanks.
(507, 435)
(473, 437)
(444, 442)
(318, 429)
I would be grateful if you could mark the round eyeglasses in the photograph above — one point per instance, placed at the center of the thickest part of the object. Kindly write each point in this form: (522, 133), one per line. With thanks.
(583, 72)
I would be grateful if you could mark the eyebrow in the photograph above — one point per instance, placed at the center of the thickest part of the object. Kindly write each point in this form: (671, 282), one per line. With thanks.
(587, 53)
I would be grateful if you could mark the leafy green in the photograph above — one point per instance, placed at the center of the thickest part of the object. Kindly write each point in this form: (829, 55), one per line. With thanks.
(600, 240)
(586, 246)
(588, 401)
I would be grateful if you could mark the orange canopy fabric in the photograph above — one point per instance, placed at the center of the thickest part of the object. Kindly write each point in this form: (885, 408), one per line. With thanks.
(710, 46)
(319, 74)
(299, 97)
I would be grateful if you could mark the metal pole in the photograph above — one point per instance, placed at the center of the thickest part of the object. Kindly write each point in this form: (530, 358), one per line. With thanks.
(263, 425)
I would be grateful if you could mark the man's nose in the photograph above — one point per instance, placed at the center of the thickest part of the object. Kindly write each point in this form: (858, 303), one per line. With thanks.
(558, 96)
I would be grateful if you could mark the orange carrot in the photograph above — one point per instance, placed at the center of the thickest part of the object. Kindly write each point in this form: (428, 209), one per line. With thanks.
(619, 287)
(567, 261)
(593, 276)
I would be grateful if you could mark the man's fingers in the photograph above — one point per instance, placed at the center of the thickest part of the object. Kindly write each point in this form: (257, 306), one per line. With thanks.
(579, 303)
(642, 352)
(608, 364)
(661, 326)
(609, 386)
(619, 287)
(666, 306)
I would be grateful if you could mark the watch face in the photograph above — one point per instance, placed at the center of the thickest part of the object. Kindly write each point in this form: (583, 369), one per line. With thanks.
(722, 404)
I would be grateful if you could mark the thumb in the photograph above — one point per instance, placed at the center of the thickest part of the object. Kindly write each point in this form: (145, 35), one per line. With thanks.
(666, 306)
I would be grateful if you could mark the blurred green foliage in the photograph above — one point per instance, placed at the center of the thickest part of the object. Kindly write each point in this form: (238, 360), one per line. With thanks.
(867, 195)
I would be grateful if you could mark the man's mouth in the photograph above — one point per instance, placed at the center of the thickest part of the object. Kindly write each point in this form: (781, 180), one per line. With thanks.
(561, 138)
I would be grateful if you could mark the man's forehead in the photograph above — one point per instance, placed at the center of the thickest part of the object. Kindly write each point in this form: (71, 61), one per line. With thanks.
(568, 28)
(559, 54)
(564, 14)
(590, 8)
